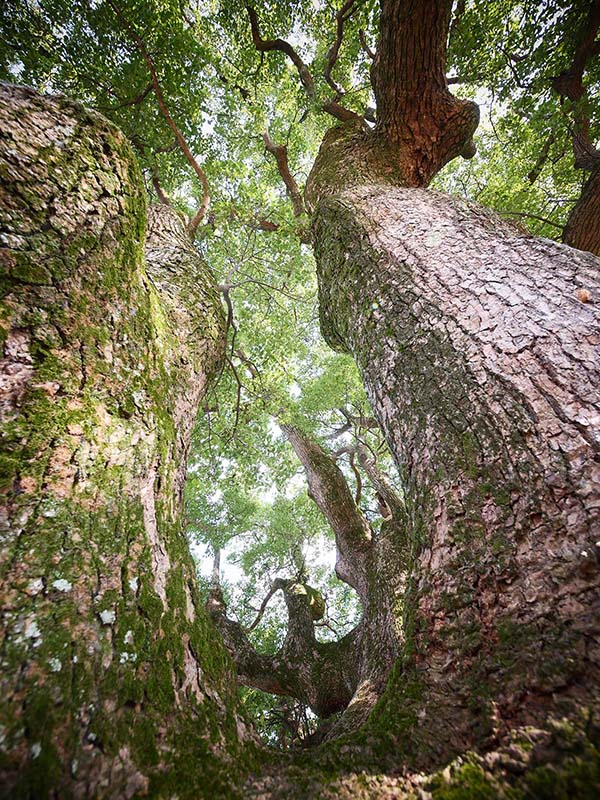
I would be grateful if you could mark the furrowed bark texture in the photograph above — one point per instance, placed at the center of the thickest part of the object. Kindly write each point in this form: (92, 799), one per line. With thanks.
(483, 366)
(417, 116)
(112, 678)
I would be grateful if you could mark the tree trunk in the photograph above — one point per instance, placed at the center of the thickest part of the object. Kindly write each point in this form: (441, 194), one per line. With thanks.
(481, 356)
(112, 677)
(583, 225)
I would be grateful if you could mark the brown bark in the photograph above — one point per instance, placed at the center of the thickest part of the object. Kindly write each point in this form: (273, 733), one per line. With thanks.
(107, 655)
(482, 365)
(416, 114)
(583, 225)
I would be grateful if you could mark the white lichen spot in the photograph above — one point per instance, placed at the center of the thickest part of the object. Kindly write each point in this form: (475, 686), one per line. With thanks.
(55, 665)
(128, 638)
(107, 617)
(50, 513)
(62, 585)
(31, 630)
(134, 584)
(433, 238)
(123, 658)
(91, 737)
(584, 554)
(35, 750)
(74, 766)
(35, 586)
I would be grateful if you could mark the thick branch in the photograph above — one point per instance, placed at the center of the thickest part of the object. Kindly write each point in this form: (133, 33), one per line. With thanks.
(583, 228)
(382, 483)
(330, 491)
(583, 225)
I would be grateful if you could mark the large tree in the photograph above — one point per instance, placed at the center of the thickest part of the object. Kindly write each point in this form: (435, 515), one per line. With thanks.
(478, 345)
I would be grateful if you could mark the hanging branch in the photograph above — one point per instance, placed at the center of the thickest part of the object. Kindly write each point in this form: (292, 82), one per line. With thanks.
(193, 225)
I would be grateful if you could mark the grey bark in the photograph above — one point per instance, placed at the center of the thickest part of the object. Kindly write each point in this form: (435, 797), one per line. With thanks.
(482, 365)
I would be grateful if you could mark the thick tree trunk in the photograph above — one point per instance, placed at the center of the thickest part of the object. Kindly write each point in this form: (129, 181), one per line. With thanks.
(481, 357)
(112, 679)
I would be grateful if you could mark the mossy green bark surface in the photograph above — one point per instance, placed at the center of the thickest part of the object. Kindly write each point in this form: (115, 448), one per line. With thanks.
(114, 683)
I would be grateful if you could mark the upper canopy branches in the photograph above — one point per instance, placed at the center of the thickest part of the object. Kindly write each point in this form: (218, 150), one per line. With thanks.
(419, 122)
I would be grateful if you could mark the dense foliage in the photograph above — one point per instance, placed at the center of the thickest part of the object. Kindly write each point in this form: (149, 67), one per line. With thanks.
(246, 493)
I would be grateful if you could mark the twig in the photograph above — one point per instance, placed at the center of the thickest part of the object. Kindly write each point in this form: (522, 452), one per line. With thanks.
(532, 216)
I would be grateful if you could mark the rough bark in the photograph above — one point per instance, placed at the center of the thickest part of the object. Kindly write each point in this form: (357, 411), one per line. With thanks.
(583, 225)
(423, 124)
(482, 364)
(111, 675)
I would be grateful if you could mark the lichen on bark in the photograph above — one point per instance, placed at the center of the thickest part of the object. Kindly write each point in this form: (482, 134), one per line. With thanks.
(112, 675)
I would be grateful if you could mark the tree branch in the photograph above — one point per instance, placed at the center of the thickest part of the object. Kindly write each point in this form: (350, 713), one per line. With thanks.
(267, 45)
(329, 490)
(279, 151)
(320, 675)
(193, 225)
(342, 16)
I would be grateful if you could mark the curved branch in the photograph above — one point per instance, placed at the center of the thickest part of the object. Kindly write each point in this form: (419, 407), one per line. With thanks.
(268, 45)
(329, 489)
(193, 225)
(342, 16)
(279, 151)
